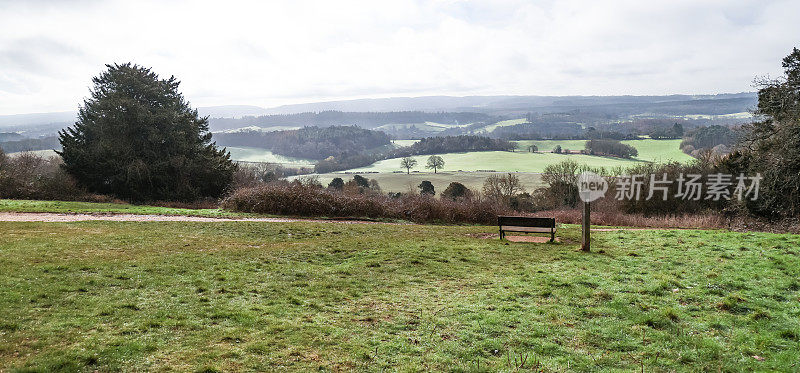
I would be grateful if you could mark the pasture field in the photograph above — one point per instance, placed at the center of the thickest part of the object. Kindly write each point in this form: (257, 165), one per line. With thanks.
(500, 161)
(262, 129)
(401, 143)
(503, 123)
(548, 145)
(74, 207)
(400, 183)
(521, 161)
(426, 126)
(249, 154)
(225, 296)
(659, 151)
(649, 150)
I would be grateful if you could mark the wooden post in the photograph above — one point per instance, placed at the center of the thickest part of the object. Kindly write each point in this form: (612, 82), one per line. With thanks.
(585, 228)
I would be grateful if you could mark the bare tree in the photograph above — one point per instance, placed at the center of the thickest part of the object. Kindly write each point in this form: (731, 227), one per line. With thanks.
(502, 188)
(435, 162)
(408, 163)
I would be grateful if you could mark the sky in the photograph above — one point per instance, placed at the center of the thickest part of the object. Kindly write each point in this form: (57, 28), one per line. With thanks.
(270, 53)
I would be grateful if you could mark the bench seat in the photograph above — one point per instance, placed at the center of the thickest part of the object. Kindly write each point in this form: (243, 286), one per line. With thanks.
(526, 224)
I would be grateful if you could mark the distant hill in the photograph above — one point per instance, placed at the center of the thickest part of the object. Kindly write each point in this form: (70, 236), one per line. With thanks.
(231, 111)
(42, 124)
(18, 120)
(441, 115)
(506, 105)
(10, 136)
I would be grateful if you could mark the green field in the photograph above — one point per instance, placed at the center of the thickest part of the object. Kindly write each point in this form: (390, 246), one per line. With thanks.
(660, 151)
(649, 150)
(231, 296)
(519, 161)
(503, 123)
(401, 183)
(73, 207)
(548, 145)
(498, 161)
(399, 143)
(426, 126)
(248, 154)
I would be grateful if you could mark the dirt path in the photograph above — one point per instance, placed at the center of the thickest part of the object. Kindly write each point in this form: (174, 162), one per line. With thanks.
(60, 218)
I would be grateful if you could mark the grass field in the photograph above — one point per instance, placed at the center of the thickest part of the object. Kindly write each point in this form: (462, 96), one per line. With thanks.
(148, 296)
(499, 161)
(548, 145)
(649, 150)
(72, 207)
(659, 150)
(426, 126)
(248, 154)
(400, 183)
(503, 123)
(520, 161)
(399, 143)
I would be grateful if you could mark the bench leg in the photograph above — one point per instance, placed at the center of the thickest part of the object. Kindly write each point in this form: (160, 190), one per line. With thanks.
(552, 236)
(501, 235)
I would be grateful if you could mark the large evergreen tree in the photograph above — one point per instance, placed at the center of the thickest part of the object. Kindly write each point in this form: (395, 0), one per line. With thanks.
(137, 138)
(771, 146)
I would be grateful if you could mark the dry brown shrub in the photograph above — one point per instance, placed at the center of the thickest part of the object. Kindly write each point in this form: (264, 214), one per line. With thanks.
(295, 199)
(31, 176)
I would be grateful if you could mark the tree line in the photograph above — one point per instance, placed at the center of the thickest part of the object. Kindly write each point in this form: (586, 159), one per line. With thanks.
(452, 144)
(44, 143)
(610, 147)
(309, 142)
(343, 118)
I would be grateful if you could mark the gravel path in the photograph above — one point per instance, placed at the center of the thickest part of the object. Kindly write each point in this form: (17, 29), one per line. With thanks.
(60, 218)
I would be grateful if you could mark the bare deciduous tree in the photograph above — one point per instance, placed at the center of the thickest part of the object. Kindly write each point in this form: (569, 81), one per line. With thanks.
(408, 163)
(435, 162)
(502, 188)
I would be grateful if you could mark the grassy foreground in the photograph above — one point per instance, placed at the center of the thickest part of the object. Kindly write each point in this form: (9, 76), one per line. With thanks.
(74, 207)
(224, 296)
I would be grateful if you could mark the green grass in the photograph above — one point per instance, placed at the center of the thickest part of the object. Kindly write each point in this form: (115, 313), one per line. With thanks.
(72, 207)
(148, 296)
(426, 126)
(522, 161)
(396, 182)
(263, 155)
(649, 150)
(399, 143)
(499, 161)
(504, 123)
(548, 145)
(660, 151)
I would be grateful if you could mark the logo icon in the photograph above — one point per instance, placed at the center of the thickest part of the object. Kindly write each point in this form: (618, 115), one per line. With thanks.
(591, 186)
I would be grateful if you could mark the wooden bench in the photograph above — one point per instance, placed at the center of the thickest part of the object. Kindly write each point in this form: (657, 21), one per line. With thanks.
(526, 225)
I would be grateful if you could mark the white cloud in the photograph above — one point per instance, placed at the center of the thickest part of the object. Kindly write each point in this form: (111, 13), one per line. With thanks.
(270, 53)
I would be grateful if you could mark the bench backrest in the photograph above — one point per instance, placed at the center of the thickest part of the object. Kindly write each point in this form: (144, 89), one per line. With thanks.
(524, 221)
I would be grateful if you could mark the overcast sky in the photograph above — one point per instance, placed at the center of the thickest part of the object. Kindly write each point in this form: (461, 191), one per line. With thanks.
(273, 52)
